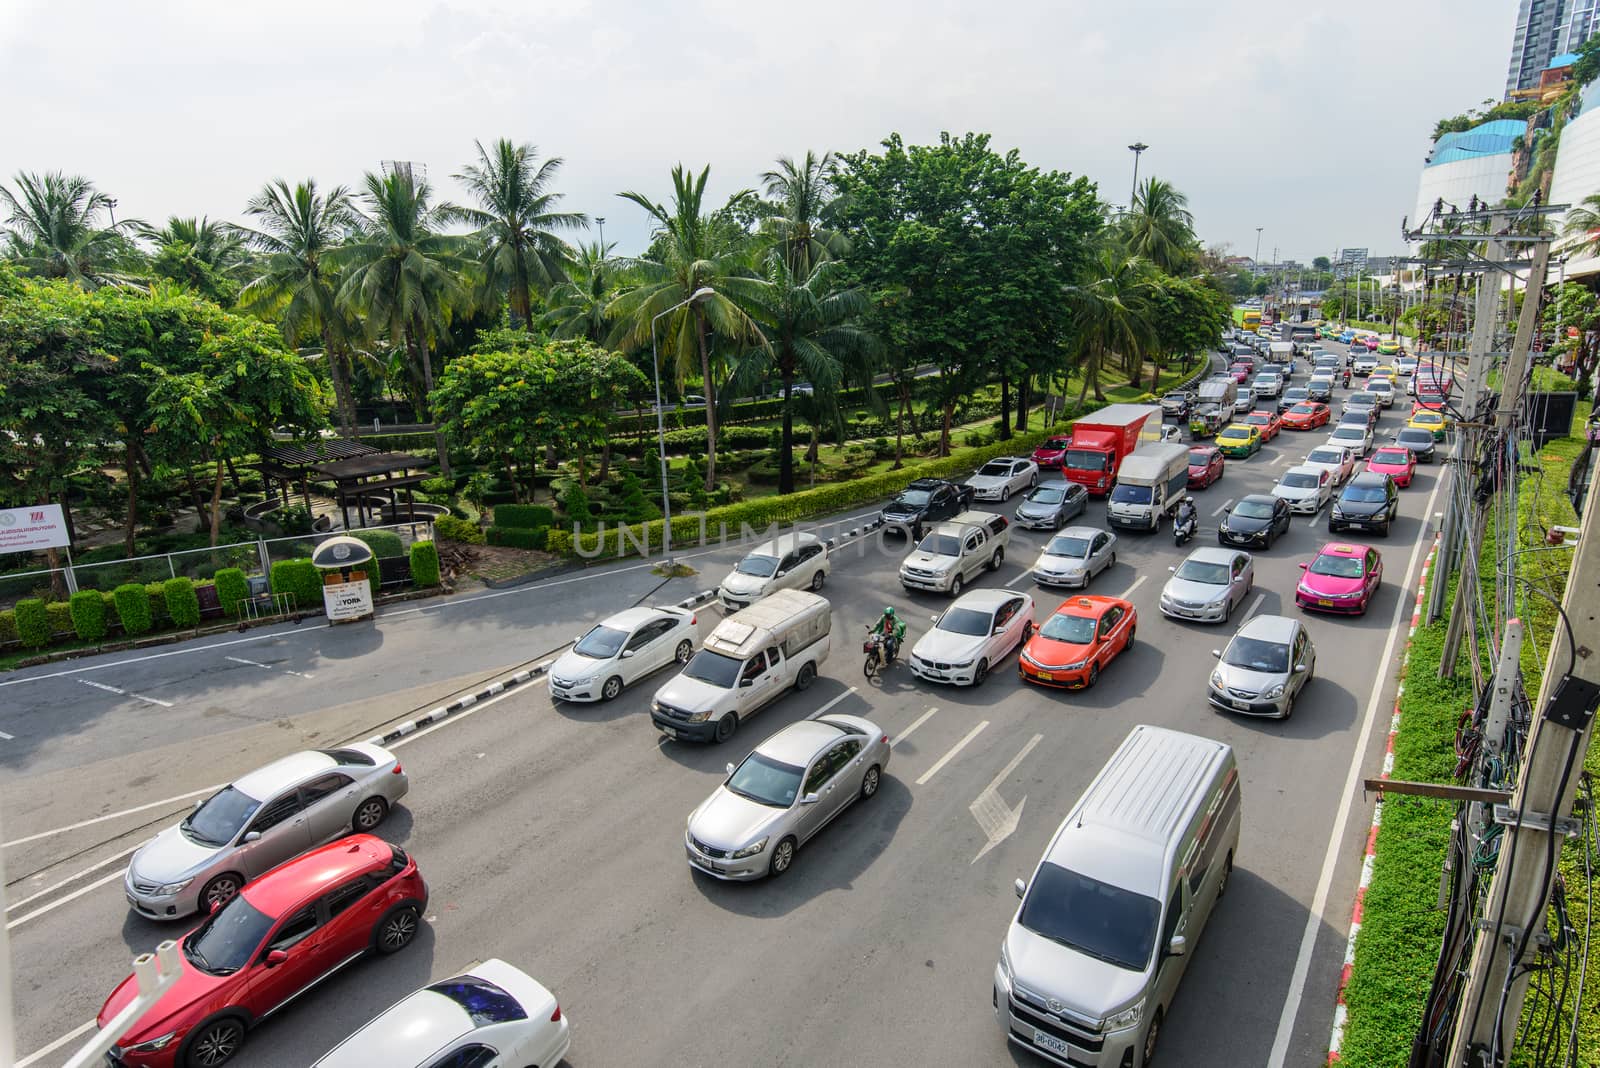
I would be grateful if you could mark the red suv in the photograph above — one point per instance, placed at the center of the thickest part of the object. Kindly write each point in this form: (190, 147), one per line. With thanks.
(283, 932)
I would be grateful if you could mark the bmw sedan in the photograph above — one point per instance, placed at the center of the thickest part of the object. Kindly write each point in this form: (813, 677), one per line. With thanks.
(972, 636)
(258, 822)
(1256, 520)
(783, 793)
(1264, 668)
(621, 650)
(1208, 585)
(1050, 504)
(998, 479)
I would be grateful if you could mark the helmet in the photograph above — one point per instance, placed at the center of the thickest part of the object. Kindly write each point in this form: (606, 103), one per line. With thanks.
(889, 611)
(1187, 499)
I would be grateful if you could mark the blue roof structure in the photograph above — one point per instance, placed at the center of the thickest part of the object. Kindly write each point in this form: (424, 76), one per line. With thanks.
(1491, 138)
(1565, 59)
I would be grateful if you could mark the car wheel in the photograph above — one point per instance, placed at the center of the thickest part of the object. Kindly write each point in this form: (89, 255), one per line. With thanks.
(397, 929)
(1033, 480)
(870, 781)
(818, 579)
(1094, 676)
(1150, 1037)
(725, 727)
(782, 858)
(610, 689)
(214, 1043)
(981, 673)
(997, 559)
(369, 814)
(684, 651)
(955, 586)
(1288, 706)
(1027, 631)
(807, 675)
(1005, 494)
(219, 891)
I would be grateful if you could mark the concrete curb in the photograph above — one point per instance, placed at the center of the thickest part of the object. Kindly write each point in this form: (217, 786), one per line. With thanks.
(1340, 1010)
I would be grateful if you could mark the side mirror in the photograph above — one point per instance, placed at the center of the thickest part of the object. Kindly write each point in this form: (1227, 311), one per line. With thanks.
(1304, 565)
(1020, 887)
(810, 799)
(934, 618)
(1173, 569)
(252, 836)
(198, 803)
(730, 767)
(782, 573)
(1217, 653)
(276, 957)
(746, 682)
(629, 652)
(1300, 669)
(1178, 946)
(1000, 628)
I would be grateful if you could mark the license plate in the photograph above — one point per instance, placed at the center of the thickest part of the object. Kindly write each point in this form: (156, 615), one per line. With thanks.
(1245, 705)
(1050, 1042)
(1324, 602)
(706, 864)
(668, 731)
(1046, 676)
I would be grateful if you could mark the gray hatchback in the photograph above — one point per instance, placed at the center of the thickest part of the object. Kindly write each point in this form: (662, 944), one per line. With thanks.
(1264, 668)
(1050, 504)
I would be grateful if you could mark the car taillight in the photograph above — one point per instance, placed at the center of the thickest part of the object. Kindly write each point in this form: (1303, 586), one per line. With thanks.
(554, 1016)
(694, 621)
(884, 739)
(398, 770)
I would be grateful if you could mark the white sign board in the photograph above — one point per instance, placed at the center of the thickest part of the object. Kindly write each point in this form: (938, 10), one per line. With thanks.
(37, 526)
(347, 600)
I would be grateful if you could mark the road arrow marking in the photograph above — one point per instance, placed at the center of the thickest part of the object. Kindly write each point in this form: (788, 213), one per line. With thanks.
(995, 818)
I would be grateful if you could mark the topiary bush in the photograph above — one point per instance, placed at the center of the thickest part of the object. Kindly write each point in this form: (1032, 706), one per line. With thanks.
(526, 516)
(232, 588)
(88, 609)
(519, 537)
(183, 604)
(636, 507)
(133, 608)
(301, 580)
(449, 528)
(33, 623)
(385, 544)
(8, 626)
(424, 563)
(157, 593)
(58, 614)
(575, 502)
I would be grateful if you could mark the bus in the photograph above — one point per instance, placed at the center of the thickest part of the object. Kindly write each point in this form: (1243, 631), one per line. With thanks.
(1251, 322)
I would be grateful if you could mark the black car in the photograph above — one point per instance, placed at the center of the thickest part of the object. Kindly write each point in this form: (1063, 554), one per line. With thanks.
(1049, 505)
(1319, 389)
(925, 501)
(1419, 441)
(1255, 520)
(1369, 502)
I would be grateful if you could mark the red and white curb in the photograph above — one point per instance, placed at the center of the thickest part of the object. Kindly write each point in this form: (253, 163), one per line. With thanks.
(1340, 1010)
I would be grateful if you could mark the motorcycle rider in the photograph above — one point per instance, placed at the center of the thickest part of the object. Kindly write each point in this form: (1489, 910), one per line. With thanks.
(893, 630)
(1187, 514)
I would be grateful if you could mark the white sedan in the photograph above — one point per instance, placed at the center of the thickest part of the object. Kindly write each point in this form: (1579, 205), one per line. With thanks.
(1306, 488)
(970, 637)
(1337, 460)
(998, 479)
(621, 650)
(493, 1014)
(1358, 439)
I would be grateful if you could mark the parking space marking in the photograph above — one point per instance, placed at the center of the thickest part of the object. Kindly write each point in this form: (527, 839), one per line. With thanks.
(62, 900)
(268, 667)
(74, 877)
(919, 721)
(835, 701)
(40, 1054)
(111, 816)
(1224, 506)
(125, 693)
(1125, 594)
(951, 755)
(1255, 604)
(1025, 576)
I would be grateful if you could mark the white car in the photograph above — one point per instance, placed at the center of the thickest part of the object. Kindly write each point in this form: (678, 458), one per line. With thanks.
(1357, 439)
(1306, 488)
(998, 479)
(1405, 366)
(1384, 389)
(1209, 585)
(618, 652)
(793, 561)
(1074, 556)
(1365, 364)
(973, 635)
(493, 1014)
(1337, 460)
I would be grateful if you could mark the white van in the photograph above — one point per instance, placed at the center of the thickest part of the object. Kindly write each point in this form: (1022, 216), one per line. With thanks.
(793, 561)
(752, 658)
(1093, 957)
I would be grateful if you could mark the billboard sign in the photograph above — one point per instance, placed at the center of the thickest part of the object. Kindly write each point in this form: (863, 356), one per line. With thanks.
(31, 528)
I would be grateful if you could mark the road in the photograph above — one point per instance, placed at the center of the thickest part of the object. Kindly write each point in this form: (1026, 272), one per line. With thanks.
(552, 835)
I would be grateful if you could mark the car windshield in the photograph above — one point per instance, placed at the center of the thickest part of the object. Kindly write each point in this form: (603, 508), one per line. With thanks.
(1357, 492)
(766, 781)
(1085, 460)
(1295, 394)
(1257, 655)
(1075, 630)
(1325, 456)
(1360, 400)
(1413, 436)
(1208, 572)
(601, 643)
(1336, 566)
(1391, 456)
(226, 940)
(1176, 398)
(1253, 510)
(1299, 480)
(1199, 458)
(1082, 913)
(1067, 545)
(714, 669)
(1257, 420)
(222, 816)
(968, 621)
(1303, 409)
(940, 545)
(995, 469)
(759, 566)
(1348, 433)
(1128, 494)
(914, 498)
(1047, 495)
(1056, 443)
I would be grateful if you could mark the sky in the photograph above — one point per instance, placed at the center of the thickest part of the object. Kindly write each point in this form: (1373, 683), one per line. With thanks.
(1308, 120)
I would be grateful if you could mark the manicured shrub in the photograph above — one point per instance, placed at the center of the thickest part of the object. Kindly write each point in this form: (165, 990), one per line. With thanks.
(58, 614)
(519, 537)
(449, 528)
(424, 563)
(575, 502)
(33, 623)
(8, 626)
(89, 615)
(636, 507)
(301, 580)
(232, 588)
(526, 516)
(183, 604)
(133, 608)
(385, 544)
(157, 594)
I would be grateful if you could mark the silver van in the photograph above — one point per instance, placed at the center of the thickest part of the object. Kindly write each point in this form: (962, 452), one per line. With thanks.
(1094, 954)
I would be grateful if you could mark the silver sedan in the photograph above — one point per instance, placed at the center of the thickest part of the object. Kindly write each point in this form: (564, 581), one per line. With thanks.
(787, 790)
(258, 822)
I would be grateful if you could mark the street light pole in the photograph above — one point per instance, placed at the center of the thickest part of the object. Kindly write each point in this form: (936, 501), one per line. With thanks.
(601, 221)
(1255, 263)
(1137, 148)
(661, 425)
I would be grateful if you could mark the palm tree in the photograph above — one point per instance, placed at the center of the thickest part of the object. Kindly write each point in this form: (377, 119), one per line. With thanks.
(1581, 230)
(812, 325)
(53, 229)
(516, 221)
(1160, 228)
(1111, 313)
(218, 245)
(296, 284)
(405, 273)
(801, 192)
(577, 306)
(686, 259)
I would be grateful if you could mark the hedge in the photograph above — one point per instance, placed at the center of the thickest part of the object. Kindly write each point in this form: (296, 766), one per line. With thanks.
(449, 528)
(59, 615)
(520, 538)
(183, 605)
(232, 588)
(88, 609)
(525, 516)
(133, 608)
(301, 580)
(385, 544)
(424, 563)
(8, 626)
(33, 622)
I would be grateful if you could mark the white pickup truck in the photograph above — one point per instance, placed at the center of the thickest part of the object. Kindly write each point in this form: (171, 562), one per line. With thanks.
(955, 551)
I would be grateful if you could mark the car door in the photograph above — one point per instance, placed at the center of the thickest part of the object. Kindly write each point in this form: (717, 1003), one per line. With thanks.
(641, 653)
(1099, 555)
(1280, 515)
(1374, 571)
(786, 576)
(1017, 620)
(472, 1055)
(1169, 970)
(1299, 654)
(1324, 488)
(942, 506)
(844, 776)
(813, 558)
(1240, 569)
(1104, 635)
(271, 984)
(755, 679)
(972, 552)
(812, 814)
(280, 831)
(330, 802)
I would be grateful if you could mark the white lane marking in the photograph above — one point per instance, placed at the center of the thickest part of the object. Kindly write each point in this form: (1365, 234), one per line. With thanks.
(1024, 577)
(1315, 917)
(919, 721)
(1315, 517)
(1224, 506)
(74, 877)
(112, 815)
(41, 1054)
(269, 667)
(125, 693)
(1255, 604)
(8, 737)
(996, 819)
(835, 701)
(951, 755)
(62, 900)
(1125, 594)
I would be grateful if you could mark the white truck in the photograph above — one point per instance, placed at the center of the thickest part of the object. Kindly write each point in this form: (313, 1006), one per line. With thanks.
(956, 550)
(1151, 483)
(752, 658)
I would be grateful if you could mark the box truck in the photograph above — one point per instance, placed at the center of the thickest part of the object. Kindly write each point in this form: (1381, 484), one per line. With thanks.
(1151, 483)
(1101, 441)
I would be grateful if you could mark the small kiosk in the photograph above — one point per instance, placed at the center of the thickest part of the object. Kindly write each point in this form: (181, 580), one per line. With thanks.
(344, 562)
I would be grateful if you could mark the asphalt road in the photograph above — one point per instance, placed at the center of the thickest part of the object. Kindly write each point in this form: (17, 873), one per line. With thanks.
(552, 836)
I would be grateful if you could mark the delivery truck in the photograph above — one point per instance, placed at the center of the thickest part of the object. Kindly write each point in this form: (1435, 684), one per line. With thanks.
(1151, 483)
(1101, 441)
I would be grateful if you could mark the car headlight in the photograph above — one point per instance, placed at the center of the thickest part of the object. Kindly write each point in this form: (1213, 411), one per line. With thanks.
(964, 664)
(1005, 963)
(583, 681)
(1126, 1018)
(1075, 667)
(1216, 679)
(749, 850)
(1074, 571)
(154, 1044)
(1275, 691)
(173, 888)
(699, 717)
(1307, 590)
(655, 706)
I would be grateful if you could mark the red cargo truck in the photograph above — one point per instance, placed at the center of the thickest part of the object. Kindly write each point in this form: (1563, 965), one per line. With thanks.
(1101, 441)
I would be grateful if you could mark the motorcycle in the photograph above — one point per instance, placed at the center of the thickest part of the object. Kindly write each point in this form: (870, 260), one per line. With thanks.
(1185, 529)
(879, 653)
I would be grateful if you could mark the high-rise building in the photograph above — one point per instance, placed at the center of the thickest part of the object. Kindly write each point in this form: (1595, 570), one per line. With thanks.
(1546, 29)
(1582, 22)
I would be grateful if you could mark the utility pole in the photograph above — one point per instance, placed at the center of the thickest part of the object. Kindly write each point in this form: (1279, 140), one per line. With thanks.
(1255, 264)
(1537, 819)
(1137, 148)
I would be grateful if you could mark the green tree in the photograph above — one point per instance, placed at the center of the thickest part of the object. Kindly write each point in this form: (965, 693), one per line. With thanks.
(1575, 307)
(689, 267)
(802, 191)
(205, 255)
(576, 307)
(1188, 316)
(1321, 263)
(517, 222)
(53, 229)
(1160, 228)
(1113, 309)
